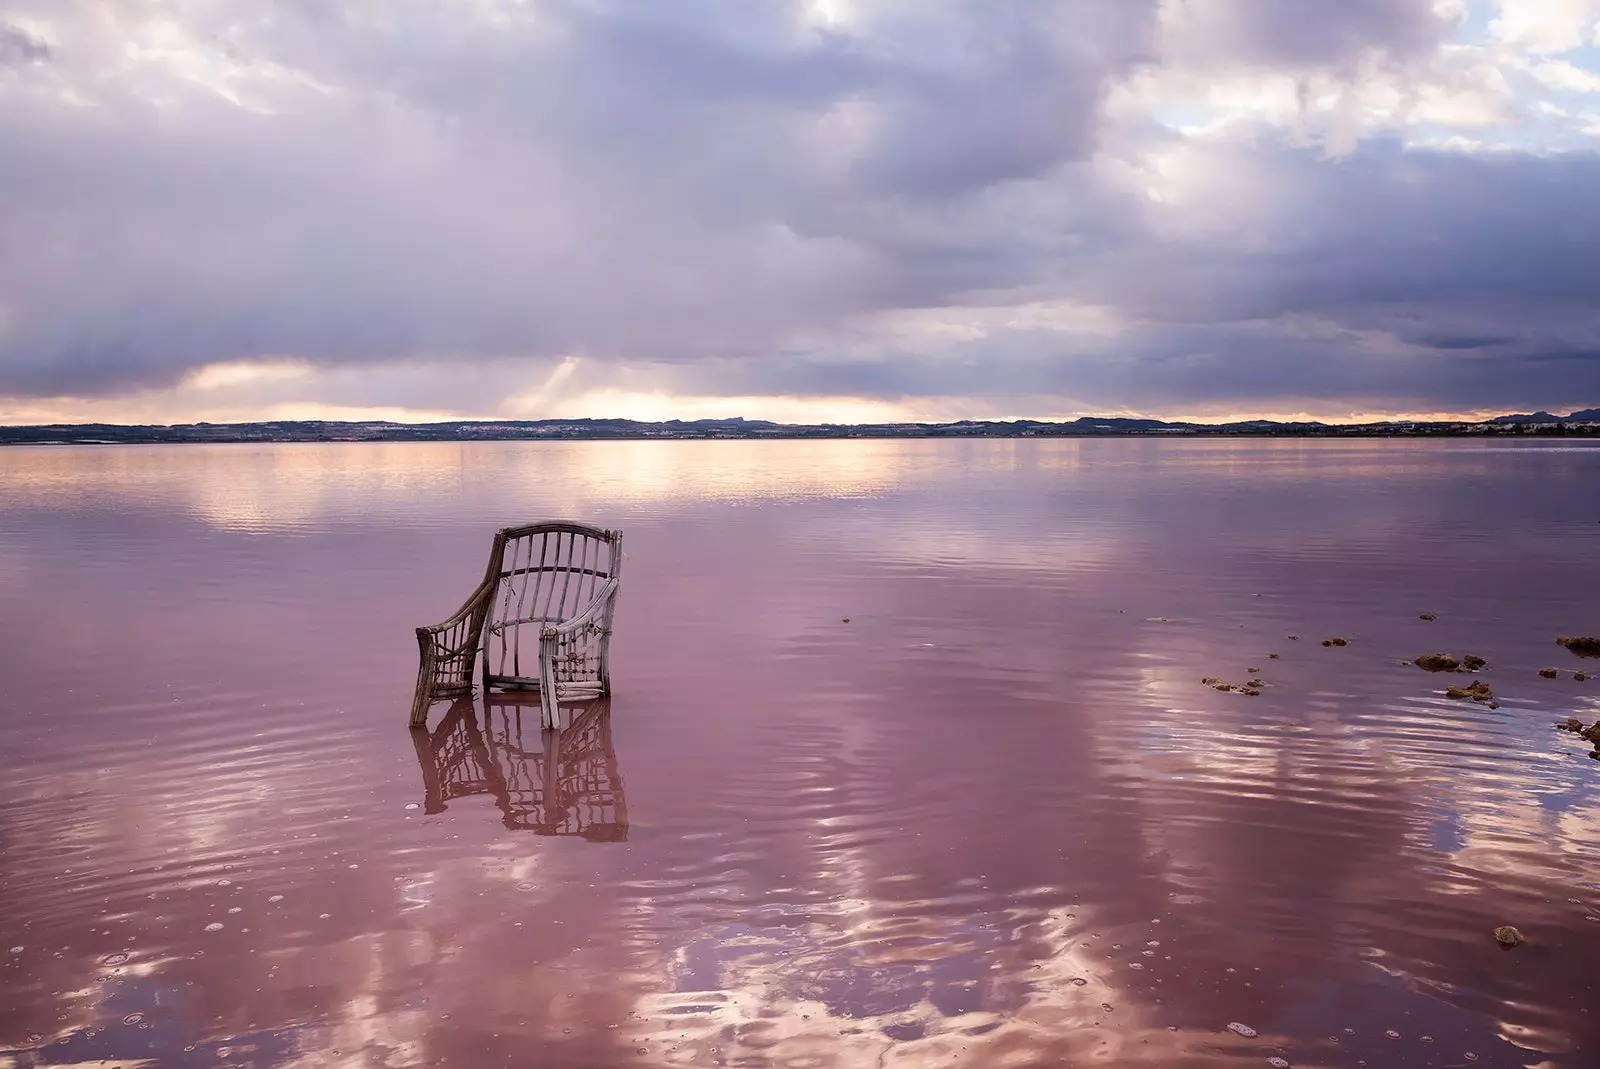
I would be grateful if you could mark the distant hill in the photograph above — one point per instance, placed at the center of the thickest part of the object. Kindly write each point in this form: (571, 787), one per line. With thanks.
(1582, 423)
(1586, 414)
(1119, 423)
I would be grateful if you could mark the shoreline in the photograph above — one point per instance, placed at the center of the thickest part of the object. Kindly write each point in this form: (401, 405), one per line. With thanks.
(743, 430)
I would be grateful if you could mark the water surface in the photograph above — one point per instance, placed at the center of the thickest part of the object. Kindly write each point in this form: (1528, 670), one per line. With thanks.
(994, 819)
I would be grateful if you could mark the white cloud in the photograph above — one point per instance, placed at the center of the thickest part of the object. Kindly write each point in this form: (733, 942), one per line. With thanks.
(1563, 75)
(238, 373)
(1545, 26)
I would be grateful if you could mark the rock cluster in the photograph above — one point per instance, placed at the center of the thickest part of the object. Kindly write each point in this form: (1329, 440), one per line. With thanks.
(1588, 734)
(1443, 662)
(1478, 691)
(1574, 725)
(1252, 688)
(1582, 645)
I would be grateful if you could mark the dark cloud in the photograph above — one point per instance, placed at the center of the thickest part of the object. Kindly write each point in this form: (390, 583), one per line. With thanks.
(1399, 277)
(1463, 341)
(1307, 33)
(578, 178)
(1272, 366)
(1276, 229)
(737, 199)
(18, 47)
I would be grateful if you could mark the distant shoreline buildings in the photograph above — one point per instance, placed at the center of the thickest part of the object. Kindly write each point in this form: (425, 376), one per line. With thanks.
(1584, 423)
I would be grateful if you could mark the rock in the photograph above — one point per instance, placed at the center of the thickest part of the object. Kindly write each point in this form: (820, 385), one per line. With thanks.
(1437, 662)
(1572, 724)
(1494, 705)
(1272, 656)
(1478, 691)
(1549, 673)
(1294, 638)
(1427, 616)
(1509, 936)
(1582, 645)
(845, 620)
(1253, 671)
(1592, 733)
(1580, 676)
(1336, 642)
(1253, 688)
(1472, 662)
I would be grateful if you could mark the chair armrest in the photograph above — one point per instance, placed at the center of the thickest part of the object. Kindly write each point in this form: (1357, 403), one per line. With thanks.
(476, 602)
(596, 608)
(448, 650)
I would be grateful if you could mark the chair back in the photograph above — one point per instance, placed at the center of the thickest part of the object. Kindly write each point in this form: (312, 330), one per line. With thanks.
(546, 573)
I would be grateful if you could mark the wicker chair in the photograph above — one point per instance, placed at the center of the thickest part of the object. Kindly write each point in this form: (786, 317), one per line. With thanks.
(549, 586)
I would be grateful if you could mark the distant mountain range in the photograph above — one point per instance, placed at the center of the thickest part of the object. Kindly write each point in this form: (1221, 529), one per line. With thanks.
(1582, 423)
(1587, 415)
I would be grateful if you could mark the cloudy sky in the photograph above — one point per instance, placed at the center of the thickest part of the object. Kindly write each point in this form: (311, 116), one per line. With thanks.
(797, 209)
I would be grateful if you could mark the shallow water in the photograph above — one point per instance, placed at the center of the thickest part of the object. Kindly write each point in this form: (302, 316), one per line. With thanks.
(993, 820)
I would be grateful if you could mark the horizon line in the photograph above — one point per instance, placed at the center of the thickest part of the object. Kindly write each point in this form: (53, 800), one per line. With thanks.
(1581, 414)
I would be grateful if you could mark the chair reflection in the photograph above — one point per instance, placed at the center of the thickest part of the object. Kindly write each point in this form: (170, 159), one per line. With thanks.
(559, 782)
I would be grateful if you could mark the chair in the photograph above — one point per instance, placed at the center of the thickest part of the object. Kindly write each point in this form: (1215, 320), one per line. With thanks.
(549, 586)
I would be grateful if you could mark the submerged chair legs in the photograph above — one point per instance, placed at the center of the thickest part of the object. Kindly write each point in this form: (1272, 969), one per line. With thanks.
(549, 700)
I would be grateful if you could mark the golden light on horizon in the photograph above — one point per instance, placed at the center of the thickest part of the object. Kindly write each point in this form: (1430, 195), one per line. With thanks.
(291, 389)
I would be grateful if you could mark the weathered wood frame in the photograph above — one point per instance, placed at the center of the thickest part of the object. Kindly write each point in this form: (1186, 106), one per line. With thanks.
(561, 580)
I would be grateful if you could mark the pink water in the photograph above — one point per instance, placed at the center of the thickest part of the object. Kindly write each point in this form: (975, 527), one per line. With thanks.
(993, 820)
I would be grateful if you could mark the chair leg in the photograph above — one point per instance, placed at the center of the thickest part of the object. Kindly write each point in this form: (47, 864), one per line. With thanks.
(422, 700)
(419, 707)
(548, 698)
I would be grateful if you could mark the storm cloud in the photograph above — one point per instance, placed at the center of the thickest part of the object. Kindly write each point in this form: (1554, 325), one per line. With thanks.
(491, 207)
